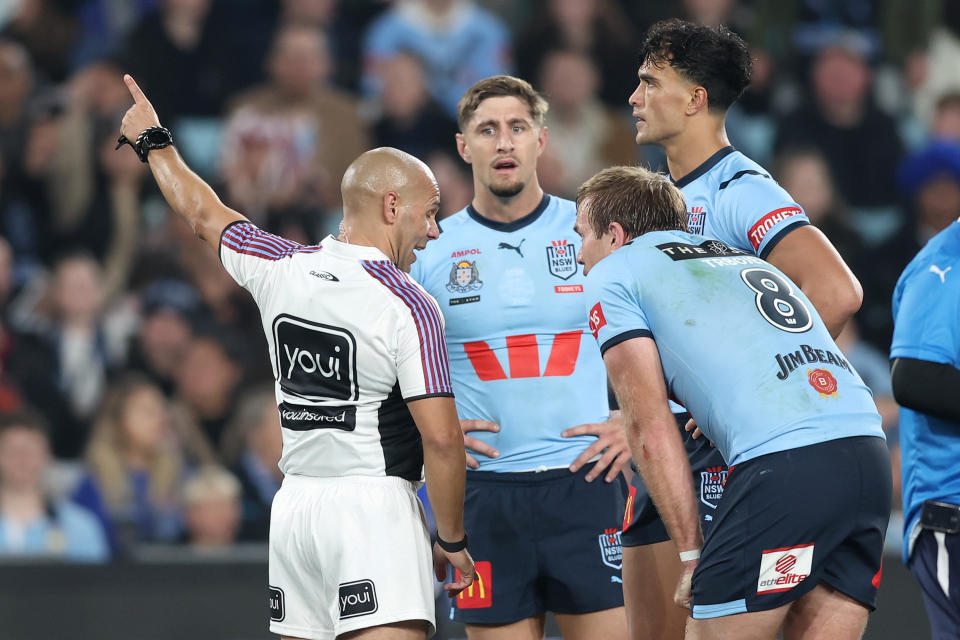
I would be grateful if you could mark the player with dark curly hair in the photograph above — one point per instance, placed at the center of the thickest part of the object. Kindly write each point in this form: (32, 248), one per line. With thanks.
(689, 76)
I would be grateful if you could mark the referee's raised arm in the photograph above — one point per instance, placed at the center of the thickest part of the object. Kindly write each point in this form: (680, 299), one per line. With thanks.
(188, 195)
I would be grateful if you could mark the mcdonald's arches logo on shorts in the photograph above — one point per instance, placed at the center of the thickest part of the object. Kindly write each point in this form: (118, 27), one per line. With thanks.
(479, 595)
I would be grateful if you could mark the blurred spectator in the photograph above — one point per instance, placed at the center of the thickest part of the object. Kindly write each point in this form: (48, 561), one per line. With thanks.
(843, 122)
(458, 42)
(819, 24)
(937, 72)
(252, 448)
(874, 367)
(946, 118)
(137, 459)
(33, 522)
(170, 310)
(410, 120)
(103, 26)
(454, 179)
(212, 508)
(63, 363)
(48, 29)
(186, 56)
(287, 143)
(585, 135)
(207, 382)
(930, 181)
(804, 173)
(598, 29)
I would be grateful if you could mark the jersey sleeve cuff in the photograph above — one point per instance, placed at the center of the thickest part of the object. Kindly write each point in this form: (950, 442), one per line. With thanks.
(921, 353)
(424, 396)
(780, 235)
(623, 337)
(222, 233)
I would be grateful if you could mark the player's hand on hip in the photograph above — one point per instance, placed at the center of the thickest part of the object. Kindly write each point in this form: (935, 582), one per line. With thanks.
(140, 116)
(692, 425)
(460, 560)
(475, 444)
(682, 595)
(611, 442)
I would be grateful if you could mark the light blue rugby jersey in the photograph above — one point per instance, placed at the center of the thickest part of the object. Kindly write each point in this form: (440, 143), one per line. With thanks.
(926, 315)
(733, 199)
(742, 347)
(520, 350)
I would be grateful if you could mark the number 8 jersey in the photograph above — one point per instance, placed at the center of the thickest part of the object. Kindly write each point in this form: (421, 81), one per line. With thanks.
(519, 346)
(742, 347)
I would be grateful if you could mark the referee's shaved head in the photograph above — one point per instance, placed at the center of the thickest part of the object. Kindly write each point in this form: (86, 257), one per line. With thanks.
(378, 172)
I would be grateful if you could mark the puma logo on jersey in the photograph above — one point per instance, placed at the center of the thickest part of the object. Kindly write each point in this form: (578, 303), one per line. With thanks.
(504, 245)
(940, 272)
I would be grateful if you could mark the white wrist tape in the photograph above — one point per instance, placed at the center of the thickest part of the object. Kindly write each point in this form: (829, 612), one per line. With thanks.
(687, 556)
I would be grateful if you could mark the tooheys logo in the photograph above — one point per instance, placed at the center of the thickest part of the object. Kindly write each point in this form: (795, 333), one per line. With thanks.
(478, 595)
(275, 601)
(303, 418)
(315, 361)
(783, 569)
(357, 599)
(759, 230)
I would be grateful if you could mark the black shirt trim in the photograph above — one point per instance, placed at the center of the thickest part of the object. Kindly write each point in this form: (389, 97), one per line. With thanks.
(424, 396)
(623, 337)
(740, 174)
(775, 240)
(507, 227)
(710, 163)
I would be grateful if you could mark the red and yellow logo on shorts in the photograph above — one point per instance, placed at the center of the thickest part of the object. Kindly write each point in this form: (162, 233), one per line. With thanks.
(478, 595)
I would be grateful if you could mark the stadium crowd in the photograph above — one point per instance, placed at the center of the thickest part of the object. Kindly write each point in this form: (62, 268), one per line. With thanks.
(135, 390)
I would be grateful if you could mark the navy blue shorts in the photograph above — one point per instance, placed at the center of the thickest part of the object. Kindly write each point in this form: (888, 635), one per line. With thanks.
(641, 522)
(542, 541)
(792, 519)
(935, 563)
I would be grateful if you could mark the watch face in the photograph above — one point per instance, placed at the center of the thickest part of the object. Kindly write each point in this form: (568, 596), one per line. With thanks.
(157, 137)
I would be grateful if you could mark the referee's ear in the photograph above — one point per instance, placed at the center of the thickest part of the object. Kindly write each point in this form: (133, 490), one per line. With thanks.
(391, 205)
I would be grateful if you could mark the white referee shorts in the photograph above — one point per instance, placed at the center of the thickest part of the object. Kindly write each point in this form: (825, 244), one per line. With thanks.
(348, 553)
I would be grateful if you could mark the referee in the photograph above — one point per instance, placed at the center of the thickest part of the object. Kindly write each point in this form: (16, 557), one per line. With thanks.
(363, 390)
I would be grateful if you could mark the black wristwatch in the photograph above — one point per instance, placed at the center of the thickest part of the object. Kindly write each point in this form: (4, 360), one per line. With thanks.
(452, 547)
(152, 138)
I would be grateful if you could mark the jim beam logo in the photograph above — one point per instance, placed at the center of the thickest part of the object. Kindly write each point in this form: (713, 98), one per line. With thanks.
(783, 569)
(611, 549)
(562, 259)
(711, 485)
(357, 598)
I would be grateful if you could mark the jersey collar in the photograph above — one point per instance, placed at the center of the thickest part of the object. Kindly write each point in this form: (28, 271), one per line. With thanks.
(528, 219)
(710, 163)
(354, 251)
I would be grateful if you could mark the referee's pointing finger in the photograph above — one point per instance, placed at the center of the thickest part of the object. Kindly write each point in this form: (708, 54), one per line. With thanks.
(135, 91)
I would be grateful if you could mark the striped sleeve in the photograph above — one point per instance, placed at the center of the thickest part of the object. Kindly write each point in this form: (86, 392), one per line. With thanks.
(249, 254)
(422, 366)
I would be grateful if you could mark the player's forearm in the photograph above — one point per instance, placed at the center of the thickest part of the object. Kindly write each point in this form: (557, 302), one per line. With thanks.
(445, 469)
(927, 387)
(187, 194)
(662, 461)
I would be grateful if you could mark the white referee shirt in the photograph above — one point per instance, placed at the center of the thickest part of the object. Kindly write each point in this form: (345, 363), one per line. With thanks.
(352, 339)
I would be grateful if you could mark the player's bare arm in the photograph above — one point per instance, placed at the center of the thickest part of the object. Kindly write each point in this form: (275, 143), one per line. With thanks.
(444, 463)
(637, 378)
(809, 259)
(611, 442)
(188, 195)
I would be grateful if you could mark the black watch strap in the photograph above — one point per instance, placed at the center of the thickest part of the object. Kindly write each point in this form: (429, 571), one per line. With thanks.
(452, 547)
(150, 138)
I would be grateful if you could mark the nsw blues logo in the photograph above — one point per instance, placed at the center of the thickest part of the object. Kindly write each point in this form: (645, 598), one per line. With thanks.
(464, 277)
(696, 220)
(562, 259)
(711, 485)
(611, 549)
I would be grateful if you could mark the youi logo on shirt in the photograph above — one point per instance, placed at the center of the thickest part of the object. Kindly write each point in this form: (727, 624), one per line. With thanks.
(315, 361)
